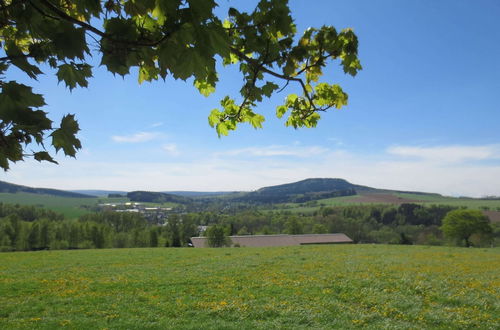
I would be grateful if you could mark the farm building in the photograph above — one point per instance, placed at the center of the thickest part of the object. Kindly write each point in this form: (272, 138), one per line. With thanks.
(279, 240)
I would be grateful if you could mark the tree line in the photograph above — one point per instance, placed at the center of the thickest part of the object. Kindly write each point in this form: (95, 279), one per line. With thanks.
(388, 224)
(24, 228)
(28, 228)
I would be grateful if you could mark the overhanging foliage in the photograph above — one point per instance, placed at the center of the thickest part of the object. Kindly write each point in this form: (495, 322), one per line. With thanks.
(179, 38)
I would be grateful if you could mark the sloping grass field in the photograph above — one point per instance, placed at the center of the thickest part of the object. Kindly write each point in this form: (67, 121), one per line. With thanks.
(302, 287)
(71, 207)
(397, 198)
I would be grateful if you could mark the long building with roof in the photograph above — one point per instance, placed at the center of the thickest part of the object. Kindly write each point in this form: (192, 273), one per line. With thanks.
(278, 240)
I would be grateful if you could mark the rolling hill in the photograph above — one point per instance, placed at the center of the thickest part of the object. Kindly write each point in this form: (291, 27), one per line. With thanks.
(294, 196)
(6, 187)
(99, 193)
(157, 197)
(295, 192)
(301, 191)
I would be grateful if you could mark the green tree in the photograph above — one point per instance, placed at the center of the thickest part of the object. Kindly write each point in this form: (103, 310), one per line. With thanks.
(319, 229)
(34, 237)
(461, 224)
(243, 231)
(216, 236)
(173, 230)
(153, 238)
(294, 227)
(74, 235)
(178, 38)
(97, 237)
(45, 235)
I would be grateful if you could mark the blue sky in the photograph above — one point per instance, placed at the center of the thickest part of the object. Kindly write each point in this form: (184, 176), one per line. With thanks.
(423, 114)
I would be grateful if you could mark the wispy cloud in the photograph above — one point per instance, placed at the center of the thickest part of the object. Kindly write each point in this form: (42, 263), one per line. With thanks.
(336, 141)
(158, 124)
(449, 154)
(137, 137)
(171, 149)
(276, 151)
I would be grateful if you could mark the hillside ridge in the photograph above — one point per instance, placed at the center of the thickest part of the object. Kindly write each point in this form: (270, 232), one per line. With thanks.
(6, 187)
(298, 192)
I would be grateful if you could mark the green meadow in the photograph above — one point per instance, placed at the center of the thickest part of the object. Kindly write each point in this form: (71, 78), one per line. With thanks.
(71, 207)
(472, 203)
(300, 287)
(423, 199)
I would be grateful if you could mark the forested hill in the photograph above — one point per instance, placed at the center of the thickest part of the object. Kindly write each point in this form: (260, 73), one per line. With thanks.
(187, 193)
(156, 197)
(301, 191)
(296, 192)
(6, 187)
(307, 186)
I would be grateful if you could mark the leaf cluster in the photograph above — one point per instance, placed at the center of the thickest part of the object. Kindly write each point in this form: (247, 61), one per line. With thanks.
(183, 39)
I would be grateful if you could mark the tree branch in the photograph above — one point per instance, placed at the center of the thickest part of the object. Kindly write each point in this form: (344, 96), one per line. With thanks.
(62, 15)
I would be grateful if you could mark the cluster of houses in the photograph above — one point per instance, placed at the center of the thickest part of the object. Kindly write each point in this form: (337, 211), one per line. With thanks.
(151, 213)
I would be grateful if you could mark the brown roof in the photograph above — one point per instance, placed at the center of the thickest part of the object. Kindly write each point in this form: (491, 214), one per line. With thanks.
(279, 240)
(493, 215)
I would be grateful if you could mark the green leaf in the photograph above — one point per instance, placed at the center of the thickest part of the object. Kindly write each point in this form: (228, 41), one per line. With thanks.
(88, 7)
(138, 7)
(168, 7)
(4, 162)
(281, 110)
(291, 99)
(74, 74)
(269, 88)
(19, 95)
(148, 73)
(202, 8)
(256, 120)
(204, 87)
(65, 137)
(20, 60)
(192, 63)
(222, 129)
(43, 155)
(214, 117)
(219, 41)
(69, 41)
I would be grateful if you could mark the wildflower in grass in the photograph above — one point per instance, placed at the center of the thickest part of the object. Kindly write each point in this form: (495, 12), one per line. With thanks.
(64, 323)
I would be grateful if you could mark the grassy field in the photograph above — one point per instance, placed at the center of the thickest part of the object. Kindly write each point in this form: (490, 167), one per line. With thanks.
(493, 205)
(468, 202)
(69, 206)
(303, 287)
(330, 202)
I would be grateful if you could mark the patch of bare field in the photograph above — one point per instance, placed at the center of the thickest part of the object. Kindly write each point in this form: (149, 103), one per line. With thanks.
(382, 199)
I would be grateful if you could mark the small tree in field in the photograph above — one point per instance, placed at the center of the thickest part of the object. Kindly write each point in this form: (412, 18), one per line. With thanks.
(461, 224)
(216, 236)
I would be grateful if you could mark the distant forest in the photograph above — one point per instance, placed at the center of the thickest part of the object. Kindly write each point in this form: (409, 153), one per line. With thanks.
(24, 228)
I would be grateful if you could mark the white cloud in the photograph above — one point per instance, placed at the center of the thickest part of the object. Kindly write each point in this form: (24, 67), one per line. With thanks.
(276, 151)
(449, 154)
(137, 137)
(171, 149)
